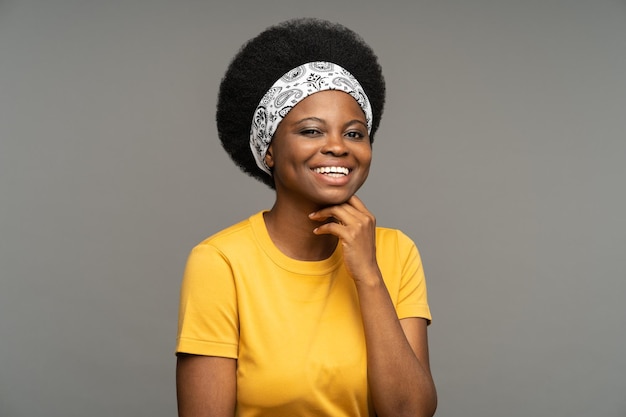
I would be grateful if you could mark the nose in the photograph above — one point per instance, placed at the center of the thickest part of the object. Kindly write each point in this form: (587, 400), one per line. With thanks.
(335, 145)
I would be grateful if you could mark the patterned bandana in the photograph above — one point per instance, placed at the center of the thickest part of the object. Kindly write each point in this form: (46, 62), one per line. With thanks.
(289, 90)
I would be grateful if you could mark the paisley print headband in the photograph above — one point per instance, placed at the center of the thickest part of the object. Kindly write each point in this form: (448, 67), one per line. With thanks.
(289, 90)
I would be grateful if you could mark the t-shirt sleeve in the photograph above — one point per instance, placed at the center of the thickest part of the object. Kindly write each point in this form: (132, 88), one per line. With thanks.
(208, 321)
(412, 295)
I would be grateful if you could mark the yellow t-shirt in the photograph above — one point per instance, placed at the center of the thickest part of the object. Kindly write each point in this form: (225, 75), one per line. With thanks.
(293, 326)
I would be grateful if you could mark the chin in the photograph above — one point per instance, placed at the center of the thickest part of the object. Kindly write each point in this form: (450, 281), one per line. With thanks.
(334, 200)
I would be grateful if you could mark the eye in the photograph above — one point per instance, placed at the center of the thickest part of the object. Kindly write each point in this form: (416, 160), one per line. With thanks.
(310, 132)
(355, 134)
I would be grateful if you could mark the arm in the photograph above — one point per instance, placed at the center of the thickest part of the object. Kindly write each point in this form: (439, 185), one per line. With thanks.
(397, 356)
(206, 386)
(397, 350)
(207, 326)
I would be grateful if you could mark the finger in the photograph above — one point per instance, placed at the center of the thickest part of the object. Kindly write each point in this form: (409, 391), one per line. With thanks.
(332, 228)
(344, 214)
(358, 204)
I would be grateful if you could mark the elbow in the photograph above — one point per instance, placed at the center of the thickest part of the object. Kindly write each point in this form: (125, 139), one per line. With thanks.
(429, 405)
(430, 408)
(422, 407)
(425, 407)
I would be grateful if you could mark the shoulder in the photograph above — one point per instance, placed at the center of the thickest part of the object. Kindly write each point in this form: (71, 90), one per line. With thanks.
(220, 252)
(388, 236)
(224, 236)
(394, 244)
(232, 238)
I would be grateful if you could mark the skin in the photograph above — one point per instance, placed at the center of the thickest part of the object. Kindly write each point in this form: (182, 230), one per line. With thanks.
(311, 215)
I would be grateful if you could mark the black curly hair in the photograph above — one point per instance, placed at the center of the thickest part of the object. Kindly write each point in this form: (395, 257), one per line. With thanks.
(265, 58)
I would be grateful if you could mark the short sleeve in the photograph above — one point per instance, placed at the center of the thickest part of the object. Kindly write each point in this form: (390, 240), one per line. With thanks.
(412, 295)
(208, 321)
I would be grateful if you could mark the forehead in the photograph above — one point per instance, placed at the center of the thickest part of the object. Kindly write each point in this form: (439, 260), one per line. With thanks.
(328, 103)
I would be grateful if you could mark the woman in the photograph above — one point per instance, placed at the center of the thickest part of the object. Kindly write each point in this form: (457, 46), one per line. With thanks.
(306, 309)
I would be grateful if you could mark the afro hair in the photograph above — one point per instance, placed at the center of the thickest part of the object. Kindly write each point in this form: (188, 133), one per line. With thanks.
(265, 58)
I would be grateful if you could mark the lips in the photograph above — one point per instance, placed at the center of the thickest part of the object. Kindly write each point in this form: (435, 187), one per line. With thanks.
(333, 171)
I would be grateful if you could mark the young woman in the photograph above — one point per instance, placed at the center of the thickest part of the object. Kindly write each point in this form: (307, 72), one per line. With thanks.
(306, 309)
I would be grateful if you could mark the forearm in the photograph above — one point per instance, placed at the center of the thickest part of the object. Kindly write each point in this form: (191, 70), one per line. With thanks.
(400, 383)
(397, 354)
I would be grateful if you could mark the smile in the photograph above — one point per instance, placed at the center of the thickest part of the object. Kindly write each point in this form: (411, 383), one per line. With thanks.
(333, 171)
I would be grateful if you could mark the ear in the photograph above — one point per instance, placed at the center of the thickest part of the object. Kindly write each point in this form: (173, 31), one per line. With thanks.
(269, 157)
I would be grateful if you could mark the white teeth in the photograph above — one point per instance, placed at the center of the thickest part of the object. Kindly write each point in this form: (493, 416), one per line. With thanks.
(332, 170)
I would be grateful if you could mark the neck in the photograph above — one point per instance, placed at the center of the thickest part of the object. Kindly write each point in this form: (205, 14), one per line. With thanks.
(291, 230)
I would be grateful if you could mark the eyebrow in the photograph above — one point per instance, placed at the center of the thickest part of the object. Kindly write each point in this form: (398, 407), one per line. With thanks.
(317, 119)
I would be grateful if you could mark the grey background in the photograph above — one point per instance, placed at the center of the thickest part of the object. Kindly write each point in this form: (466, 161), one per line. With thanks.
(502, 153)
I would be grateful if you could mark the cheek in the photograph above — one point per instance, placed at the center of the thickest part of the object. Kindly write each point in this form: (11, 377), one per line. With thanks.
(366, 156)
(286, 163)
(365, 159)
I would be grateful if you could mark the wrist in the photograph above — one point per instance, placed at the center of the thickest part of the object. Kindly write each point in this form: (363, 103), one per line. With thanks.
(370, 278)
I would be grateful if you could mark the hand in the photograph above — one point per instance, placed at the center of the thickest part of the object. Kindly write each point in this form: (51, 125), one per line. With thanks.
(355, 226)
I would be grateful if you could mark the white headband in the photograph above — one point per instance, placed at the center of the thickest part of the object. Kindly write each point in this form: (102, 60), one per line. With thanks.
(289, 90)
